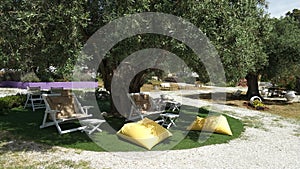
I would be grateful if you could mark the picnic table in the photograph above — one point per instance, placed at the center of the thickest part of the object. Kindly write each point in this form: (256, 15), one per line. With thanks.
(276, 91)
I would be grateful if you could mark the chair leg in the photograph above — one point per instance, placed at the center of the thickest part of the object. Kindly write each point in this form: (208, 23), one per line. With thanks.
(169, 125)
(32, 105)
(44, 120)
(26, 102)
(58, 128)
(95, 128)
(56, 124)
(172, 122)
(92, 125)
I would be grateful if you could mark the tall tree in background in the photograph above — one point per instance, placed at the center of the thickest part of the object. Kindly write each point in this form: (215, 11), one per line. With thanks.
(283, 49)
(35, 35)
(294, 14)
(238, 30)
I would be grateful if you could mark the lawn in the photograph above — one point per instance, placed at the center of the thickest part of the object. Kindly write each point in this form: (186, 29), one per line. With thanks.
(23, 124)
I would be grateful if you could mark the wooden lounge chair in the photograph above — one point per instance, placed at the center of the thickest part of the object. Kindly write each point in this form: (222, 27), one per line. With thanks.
(54, 90)
(63, 108)
(143, 105)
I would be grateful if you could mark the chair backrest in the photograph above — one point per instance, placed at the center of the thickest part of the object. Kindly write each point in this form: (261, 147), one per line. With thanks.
(147, 103)
(141, 100)
(66, 105)
(34, 90)
(56, 90)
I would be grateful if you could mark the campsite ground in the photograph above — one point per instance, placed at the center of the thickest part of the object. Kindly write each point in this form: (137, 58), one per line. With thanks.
(274, 105)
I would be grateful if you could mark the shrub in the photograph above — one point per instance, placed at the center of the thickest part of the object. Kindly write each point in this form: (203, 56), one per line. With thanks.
(10, 75)
(30, 77)
(9, 102)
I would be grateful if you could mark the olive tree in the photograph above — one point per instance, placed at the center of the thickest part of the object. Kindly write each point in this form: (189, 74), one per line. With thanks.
(236, 28)
(35, 35)
(283, 49)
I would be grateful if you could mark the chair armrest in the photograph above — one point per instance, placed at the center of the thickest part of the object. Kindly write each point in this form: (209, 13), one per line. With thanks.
(52, 111)
(87, 107)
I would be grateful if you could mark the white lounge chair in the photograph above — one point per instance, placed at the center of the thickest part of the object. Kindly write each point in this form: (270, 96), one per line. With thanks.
(66, 108)
(34, 98)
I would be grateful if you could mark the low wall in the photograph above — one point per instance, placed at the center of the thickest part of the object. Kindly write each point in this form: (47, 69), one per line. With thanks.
(48, 85)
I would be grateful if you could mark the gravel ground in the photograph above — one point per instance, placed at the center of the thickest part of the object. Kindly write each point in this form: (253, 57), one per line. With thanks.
(269, 141)
(11, 91)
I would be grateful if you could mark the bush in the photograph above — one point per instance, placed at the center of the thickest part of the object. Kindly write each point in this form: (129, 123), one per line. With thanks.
(9, 102)
(10, 75)
(30, 77)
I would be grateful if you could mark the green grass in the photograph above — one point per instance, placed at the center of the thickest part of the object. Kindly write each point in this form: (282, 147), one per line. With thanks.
(197, 139)
(23, 124)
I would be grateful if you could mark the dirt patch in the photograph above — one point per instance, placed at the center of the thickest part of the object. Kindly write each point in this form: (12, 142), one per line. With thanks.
(274, 106)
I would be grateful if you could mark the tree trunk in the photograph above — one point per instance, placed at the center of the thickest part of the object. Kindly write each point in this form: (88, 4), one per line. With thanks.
(297, 89)
(107, 75)
(137, 82)
(252, 82)
(134, 87)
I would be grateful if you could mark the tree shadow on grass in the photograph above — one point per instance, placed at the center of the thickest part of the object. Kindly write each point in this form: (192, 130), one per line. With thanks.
(202, 138)
(21, 129)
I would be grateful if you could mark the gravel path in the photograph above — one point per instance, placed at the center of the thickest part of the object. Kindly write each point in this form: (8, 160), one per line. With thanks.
(10, 91)
(269, 141)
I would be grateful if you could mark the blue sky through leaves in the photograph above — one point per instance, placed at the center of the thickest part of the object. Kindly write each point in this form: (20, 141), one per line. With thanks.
(279, 8)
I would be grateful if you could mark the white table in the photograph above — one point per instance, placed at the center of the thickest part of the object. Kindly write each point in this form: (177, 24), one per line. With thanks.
(92, 125)
(174, 106)
(168, 119)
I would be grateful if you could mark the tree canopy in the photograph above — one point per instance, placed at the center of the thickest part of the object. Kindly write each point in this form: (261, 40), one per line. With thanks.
(283, 49)
(295, 14)
(36, 35)
(236, 28)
